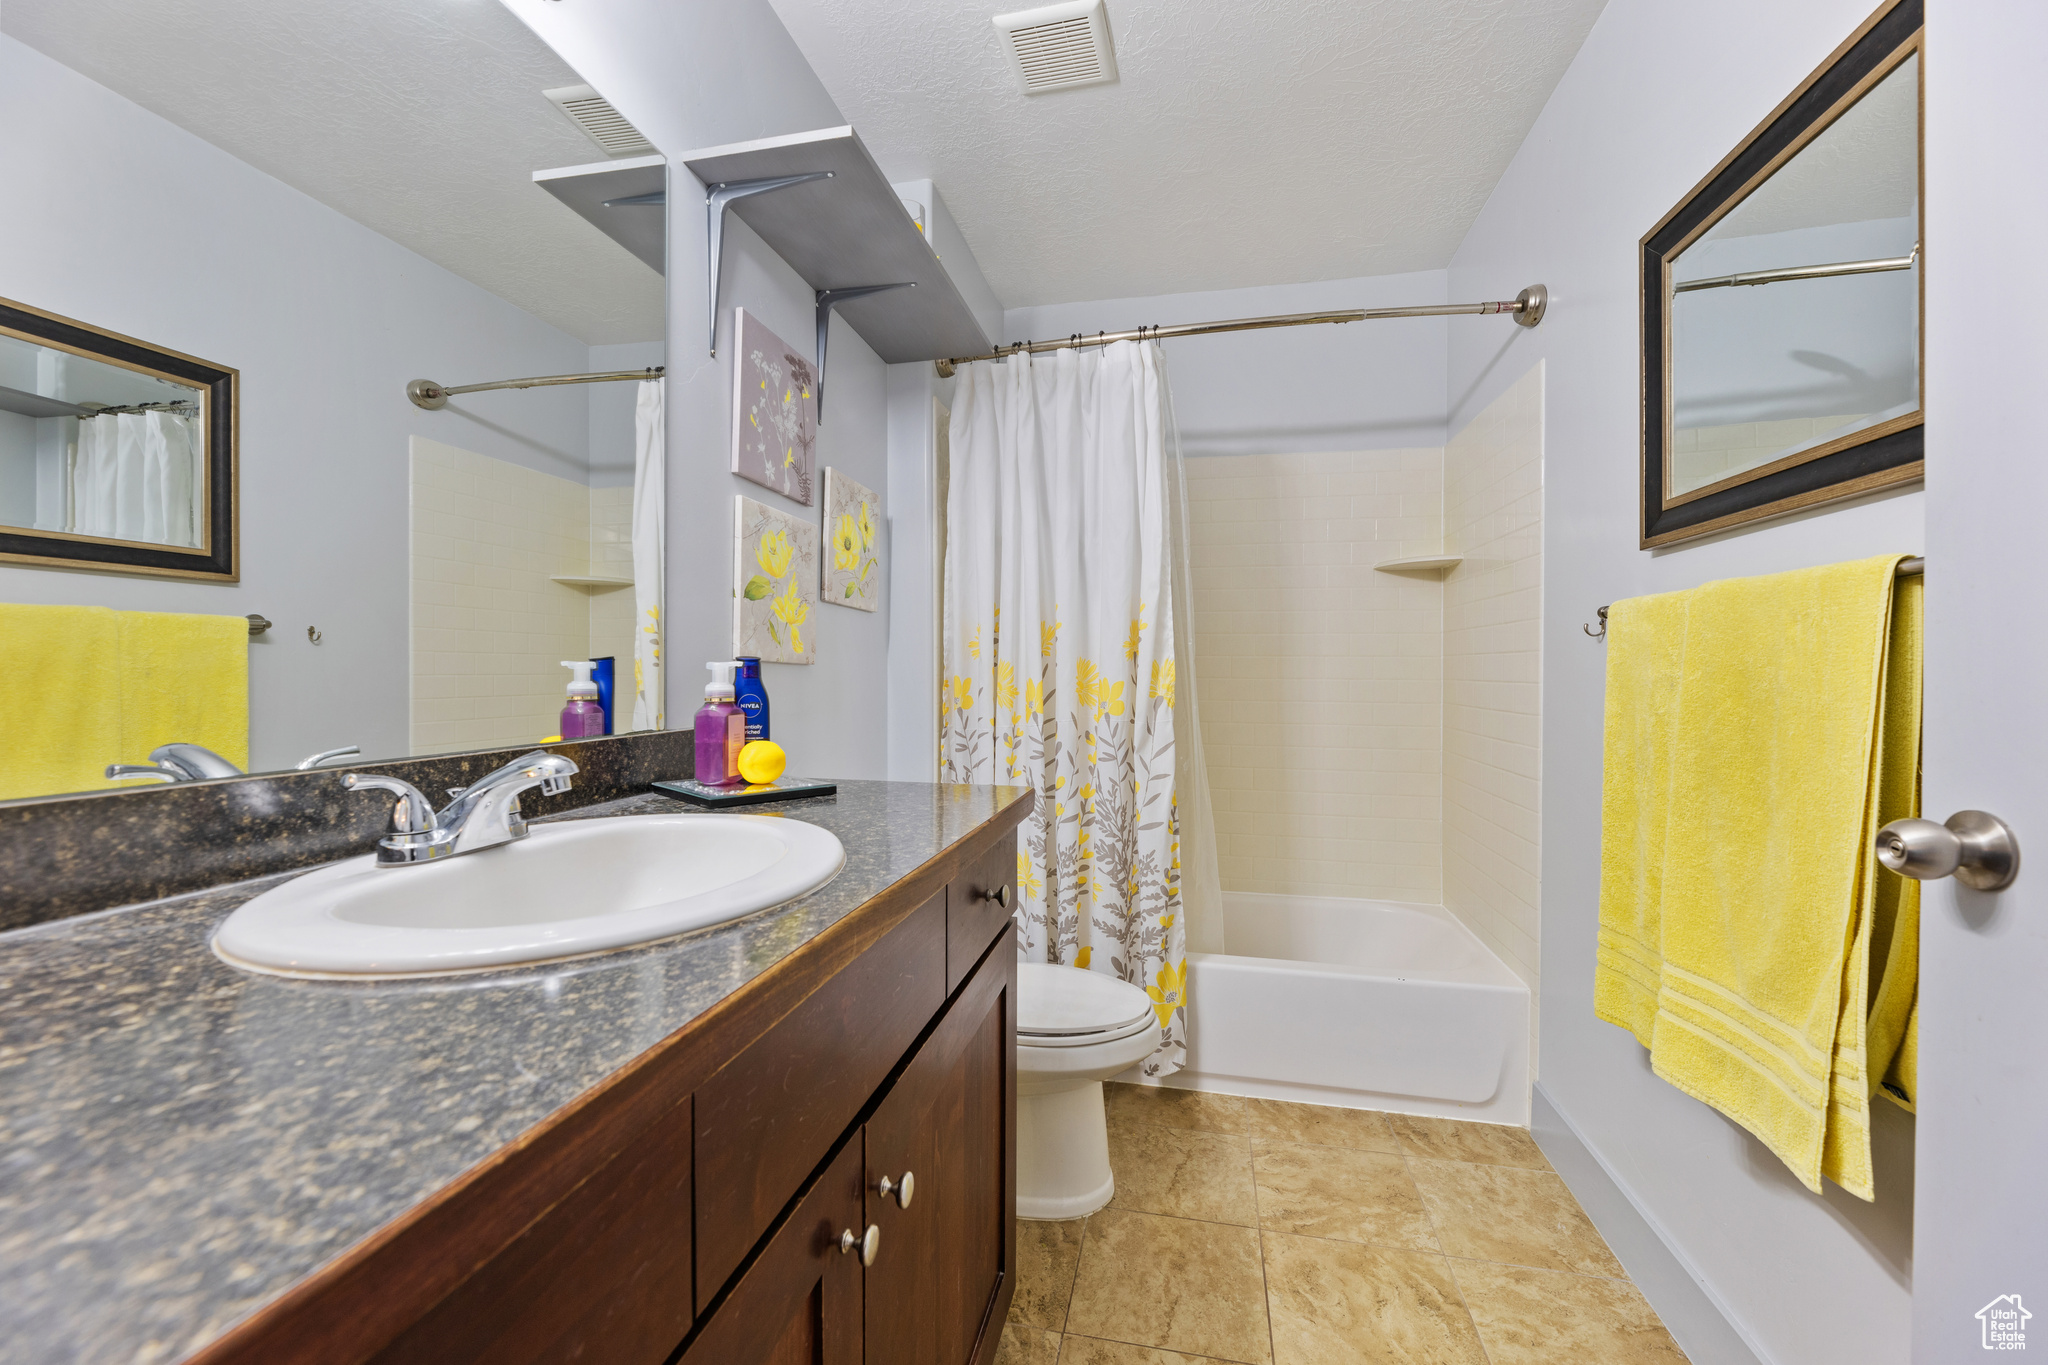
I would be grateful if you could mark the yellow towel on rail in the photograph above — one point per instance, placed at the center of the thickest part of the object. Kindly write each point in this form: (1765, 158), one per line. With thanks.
(1746, 883)
(184, 678)
(1645, 644)
(91, 686)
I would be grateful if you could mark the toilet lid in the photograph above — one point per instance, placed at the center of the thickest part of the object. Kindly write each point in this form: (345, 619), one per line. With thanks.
(1069, 1002)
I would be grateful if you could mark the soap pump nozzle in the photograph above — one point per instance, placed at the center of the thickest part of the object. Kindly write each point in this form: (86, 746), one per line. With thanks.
(581, 685)
(721, 685)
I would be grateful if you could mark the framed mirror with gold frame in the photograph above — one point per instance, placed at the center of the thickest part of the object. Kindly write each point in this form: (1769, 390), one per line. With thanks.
(1781, 304)
(115, 455)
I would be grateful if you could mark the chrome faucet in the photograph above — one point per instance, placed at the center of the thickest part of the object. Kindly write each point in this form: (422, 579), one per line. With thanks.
(177, 763)
(482, 815)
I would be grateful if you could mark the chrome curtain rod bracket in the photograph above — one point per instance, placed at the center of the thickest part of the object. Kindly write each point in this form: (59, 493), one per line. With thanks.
(1527, 309)
(1908, 568)
(425, 393)
(717, 198)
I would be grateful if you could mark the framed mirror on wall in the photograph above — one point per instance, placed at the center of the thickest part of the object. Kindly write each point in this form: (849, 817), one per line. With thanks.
(1781, 304)
(399, 490)
(114, 454)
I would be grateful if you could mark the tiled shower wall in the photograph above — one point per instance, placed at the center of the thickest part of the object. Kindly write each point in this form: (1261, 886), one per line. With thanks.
(1374, 735)
(1321, 683)
(489, 627)
(1493, 509)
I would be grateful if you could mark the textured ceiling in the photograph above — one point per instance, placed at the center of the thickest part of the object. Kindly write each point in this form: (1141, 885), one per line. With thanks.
(1247, 142)
(421, 119)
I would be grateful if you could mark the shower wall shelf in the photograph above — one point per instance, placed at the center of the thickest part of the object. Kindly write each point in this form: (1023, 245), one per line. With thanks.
(589, 581)
(624, 199)
(822, 204)
(1420, 564)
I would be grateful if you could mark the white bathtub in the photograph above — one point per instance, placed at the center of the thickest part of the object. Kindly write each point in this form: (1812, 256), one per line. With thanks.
(1363, 1004)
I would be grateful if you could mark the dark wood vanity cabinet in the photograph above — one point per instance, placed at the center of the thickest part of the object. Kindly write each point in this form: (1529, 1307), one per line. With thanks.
(709, 1205)
(935, 1289)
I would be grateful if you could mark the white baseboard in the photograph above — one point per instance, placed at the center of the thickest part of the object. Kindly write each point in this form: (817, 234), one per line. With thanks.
(1697, 1318)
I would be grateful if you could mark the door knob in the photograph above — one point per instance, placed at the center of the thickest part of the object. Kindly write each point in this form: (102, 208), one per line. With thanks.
(1976, 848)
(905, 1189)
(868, 1244)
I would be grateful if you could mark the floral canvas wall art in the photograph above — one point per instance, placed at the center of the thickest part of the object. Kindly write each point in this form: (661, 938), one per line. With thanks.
(774, 410)
(774, 584)
(853, 543)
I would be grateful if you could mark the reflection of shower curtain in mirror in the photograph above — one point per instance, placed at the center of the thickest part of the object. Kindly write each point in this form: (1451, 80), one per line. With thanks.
(133, 475)
(649, 456)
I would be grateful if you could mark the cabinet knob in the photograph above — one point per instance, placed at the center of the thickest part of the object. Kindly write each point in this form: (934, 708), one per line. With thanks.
(1001, 896)
(905, 1189)
(869, 1244)
(1977, 849)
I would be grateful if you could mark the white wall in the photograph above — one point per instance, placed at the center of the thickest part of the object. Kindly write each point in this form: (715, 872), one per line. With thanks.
(1657, 96)
(118, 218)
(1360, 386)
(700, 75)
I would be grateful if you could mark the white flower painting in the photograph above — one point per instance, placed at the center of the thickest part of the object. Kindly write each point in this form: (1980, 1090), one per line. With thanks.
(853, 530)
(774, 410)
(774, 584)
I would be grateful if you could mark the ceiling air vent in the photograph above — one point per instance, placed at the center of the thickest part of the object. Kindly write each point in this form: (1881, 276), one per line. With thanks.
(593, 113)
(1057, 47)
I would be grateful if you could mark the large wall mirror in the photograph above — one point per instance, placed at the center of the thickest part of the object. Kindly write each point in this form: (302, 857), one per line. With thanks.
(276, 553)
(1781, 305)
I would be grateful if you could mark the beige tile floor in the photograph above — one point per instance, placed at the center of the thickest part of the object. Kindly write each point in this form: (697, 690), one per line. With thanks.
(1289, 1234)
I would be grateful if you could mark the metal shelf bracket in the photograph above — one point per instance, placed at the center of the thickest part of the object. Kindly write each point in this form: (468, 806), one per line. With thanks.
(716, 199)
(828, 299)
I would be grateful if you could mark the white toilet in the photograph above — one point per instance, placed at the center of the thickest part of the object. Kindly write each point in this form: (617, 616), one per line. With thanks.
(1075, 1029)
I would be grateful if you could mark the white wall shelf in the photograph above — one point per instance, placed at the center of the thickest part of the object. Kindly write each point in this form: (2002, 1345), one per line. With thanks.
(640, 227)
(590, 581)
(845, 231)
(1420, 564)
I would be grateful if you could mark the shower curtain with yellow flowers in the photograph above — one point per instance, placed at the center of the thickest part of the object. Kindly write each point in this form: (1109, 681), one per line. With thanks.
(1060, 653)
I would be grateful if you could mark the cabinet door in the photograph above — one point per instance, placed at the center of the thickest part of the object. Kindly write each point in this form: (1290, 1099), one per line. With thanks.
(945, 1274)
(800, 1302)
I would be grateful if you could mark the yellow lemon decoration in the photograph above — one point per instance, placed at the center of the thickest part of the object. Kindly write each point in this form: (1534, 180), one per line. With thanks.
(762, 760)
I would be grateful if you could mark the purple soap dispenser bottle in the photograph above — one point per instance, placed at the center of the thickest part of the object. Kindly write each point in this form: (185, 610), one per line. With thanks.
(583, 717)
(721, 729)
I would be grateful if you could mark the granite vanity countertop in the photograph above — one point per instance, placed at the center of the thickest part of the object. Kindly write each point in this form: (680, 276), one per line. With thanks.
(182, 1142)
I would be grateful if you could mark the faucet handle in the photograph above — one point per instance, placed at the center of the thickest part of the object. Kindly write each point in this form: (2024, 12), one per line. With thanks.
(412, 814)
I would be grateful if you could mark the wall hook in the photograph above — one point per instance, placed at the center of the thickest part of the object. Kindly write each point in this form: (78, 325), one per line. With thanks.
(1600, 634)
(313, 634)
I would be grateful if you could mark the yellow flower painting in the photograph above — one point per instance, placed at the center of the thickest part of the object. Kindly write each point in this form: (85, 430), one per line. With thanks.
(853, 511)
(775, 577)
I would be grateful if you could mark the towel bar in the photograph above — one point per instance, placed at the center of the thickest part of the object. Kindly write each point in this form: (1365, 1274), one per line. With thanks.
(1917, 564)
(257, 624)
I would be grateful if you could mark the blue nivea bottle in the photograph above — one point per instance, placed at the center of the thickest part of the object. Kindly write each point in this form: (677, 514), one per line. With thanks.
(752, 696)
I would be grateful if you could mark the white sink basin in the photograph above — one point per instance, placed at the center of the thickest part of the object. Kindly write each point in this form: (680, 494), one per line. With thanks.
(584, 886)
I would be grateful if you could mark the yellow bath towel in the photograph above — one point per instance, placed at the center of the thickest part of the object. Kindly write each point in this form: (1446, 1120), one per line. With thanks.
(93, 686)
(185, 678)
(1645, 643)
(1787, 742)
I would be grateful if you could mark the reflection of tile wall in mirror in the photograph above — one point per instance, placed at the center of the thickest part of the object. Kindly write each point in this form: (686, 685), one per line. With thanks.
(94, 449)
(490, 624)
(1763, 372)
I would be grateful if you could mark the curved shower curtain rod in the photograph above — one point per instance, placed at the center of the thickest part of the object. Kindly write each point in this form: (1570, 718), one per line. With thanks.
(1526, 307)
